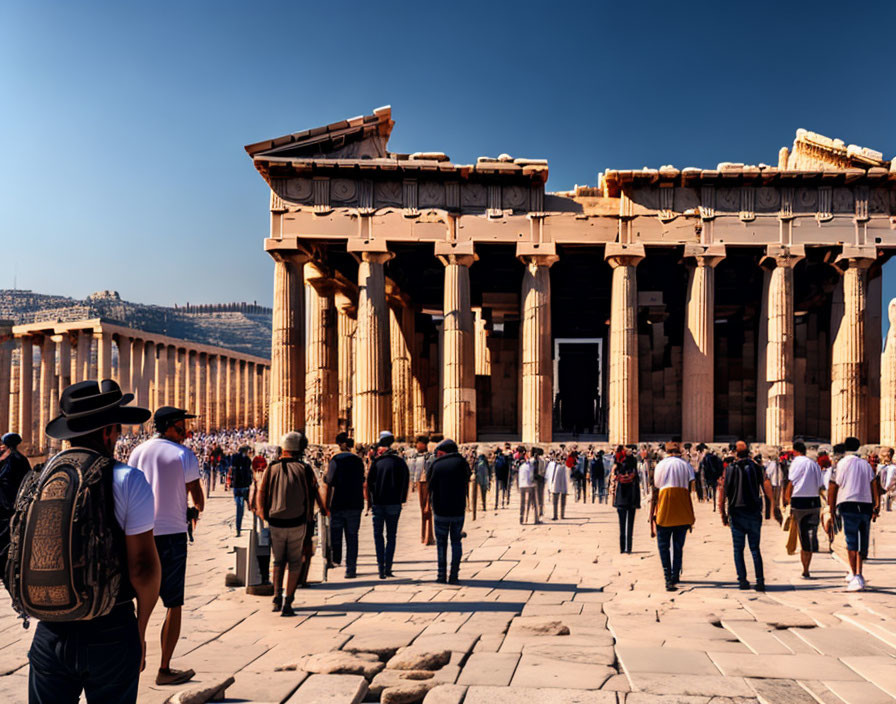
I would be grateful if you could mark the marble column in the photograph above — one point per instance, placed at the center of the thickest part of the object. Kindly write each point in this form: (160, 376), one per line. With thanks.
(211, 391)
(258, 397)
(104, 354)
(873, 345)
(697, 396)
(85, 341)
(372, 403)
(249, 395)
(401, 340)
(888, 382)
(287, 395)
(6, 344)
(225, 368)
(179, 398)
(201, 393)
(241, 368)
(64, 346)
(47, 389)
(192, 390)
(623, 396)
(848, 354)
(347, 325)
(458, 359)
(137, 372)
(535, 335)
(123, 374)
(779, 415)
(322, 358)
(171, 373)
(26, 390)
(161, 376)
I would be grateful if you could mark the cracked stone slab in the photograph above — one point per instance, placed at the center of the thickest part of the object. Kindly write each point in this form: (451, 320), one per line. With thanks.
(788, 667)
(489, 669)
(772, 691)
(330, 689)
(536, 695)
(665, 661)
(698, 685)
(446, 694)
(538, 671)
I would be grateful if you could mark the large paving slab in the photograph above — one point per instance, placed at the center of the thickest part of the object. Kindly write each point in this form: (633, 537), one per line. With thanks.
(708, 643)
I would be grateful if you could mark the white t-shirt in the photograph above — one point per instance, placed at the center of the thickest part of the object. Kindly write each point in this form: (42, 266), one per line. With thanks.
(886, 473)
(672, 472)
(774, 473)
(168, 467)
(134, 508)
(805, 475)
(853, 476)
(525, 478)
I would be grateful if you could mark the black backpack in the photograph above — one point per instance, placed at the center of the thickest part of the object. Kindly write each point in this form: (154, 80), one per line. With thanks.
(66, 550)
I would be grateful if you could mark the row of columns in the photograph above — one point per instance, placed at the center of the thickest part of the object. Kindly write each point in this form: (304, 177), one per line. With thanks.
(224, 391)
(849, 409)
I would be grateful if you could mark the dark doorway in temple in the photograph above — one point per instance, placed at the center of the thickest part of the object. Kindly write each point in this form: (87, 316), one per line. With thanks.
(577, 386)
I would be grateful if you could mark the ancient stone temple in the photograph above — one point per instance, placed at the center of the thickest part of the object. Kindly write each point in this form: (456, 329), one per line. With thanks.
(419, 295)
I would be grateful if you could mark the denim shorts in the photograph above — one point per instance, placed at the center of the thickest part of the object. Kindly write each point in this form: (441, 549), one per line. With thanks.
(173, 556)
(856, 530)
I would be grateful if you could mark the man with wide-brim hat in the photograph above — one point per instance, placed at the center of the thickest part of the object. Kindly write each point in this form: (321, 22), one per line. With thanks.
(172, 471)
(64, 656)
(14, 467)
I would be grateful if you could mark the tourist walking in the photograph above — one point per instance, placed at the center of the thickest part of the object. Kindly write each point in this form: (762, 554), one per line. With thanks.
(671, 510)
(597, 476)
(422, 460)
(102, 656)
(502, 476)
(344, 499)
(483, 474)
(14, 467)
(539, 467)
(172, 471)
(386, 490)
(853, 495)
(557, 480)
(740, 505)
(448, 479)
(608, 460)
(625, 493)
(886, 474)
(802, 493)
(712, 468)
(286, 500)
(527, 486)
(774, 470)
(240, 482)
(644, 469)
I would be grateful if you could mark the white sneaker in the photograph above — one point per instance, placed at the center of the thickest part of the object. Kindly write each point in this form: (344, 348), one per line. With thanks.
(857, 584)
(849, 577)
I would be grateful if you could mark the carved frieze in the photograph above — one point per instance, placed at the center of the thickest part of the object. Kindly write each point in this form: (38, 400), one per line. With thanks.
(666, 204)
(767, 199)
(747, 203)
(294, 190)
(879, 203)
(365, 196)
(824, 211)
(861, 195)
(387, 193)
(515, 198)
(322, 195)
(431, 194)
(342, 190)
(452, 195)
(843, 201)
(707, 202)
(727, 200)
(685, 199)
(805, 200)
(786, 211)
(536, 198)
(494, 201)
(409, 190)
(473, 195)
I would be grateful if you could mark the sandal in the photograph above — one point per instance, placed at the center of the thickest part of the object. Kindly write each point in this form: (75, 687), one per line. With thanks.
(174, 676)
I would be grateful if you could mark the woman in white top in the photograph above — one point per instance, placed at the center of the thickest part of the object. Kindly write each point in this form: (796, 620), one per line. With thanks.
(557, 481)
(803, 492)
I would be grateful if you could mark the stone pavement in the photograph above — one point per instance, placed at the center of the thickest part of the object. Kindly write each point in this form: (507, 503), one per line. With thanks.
(547, 614)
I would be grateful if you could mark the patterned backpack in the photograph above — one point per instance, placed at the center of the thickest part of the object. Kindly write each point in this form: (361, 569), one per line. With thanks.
(65, 553)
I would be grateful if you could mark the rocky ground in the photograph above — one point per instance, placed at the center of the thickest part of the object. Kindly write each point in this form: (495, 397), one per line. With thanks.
(544, 614)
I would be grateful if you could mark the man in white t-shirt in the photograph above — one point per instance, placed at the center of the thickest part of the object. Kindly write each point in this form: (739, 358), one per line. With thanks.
(102, 656)
(526, 482)
(172, 470)
(803, 493)
(886, 473)
(854, 494)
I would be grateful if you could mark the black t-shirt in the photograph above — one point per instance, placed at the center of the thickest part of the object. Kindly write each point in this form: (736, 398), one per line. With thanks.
(388, 479)
(345, 476)
(502, 467)
(743, 483)
(448, 478)
(241, 471)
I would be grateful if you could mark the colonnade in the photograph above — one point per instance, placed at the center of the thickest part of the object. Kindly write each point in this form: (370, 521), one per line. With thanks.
(361, 370)
(226, 389)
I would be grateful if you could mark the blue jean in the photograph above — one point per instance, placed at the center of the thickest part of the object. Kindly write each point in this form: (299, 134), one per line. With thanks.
(445, 527)
(671, 561)
(241, 496)
(746, 527)
(100, 657)
(385, 515)
(347, 521)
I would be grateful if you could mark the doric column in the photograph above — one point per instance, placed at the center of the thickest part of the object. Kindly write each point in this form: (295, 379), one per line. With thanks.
(401, 340)
(347, 325)
(322, 357)
(287, 405)
(137, 372)
(239, 377)
(888, 382)
(848, 352)
(123, 373)
(104, 354)
(161, 376)
(192, 391)
(372, 404)
(63, 378)
(873, 344)
(147, 372)
(211, 391)
(535, 334)
(697, 396)
(6, 343)
(623, 401)
(171, 373)
(85, 341)
(779, 415)
(180, 378)
(225, 372)
(249, 394)
(458, 360)
(258, 398)
(26, 390)
(47, 388)
(199, 392)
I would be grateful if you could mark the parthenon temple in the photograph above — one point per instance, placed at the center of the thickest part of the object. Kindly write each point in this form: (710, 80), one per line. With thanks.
(224, 388)
(465, 300)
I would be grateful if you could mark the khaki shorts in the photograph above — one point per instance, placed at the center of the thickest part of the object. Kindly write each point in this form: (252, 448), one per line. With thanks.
(287, 545)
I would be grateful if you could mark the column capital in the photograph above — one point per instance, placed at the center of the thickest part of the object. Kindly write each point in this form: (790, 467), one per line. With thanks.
(704, 255)
(458, 259)
(346, 304)
(779, 255)
(537, 254)
(856, 256)
(617, 254)
(287, 250)
(320, 277)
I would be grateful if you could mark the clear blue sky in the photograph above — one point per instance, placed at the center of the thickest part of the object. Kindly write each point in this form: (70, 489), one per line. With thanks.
(123, 123)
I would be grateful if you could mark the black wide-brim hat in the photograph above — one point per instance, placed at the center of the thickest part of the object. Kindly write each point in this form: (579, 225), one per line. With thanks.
(91, 405)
